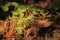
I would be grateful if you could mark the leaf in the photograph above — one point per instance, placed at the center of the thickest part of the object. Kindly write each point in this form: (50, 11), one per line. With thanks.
(8, 4)
(1, 30)
(14, 4)
(28, 31)
(13, 16)
(34, 12)
(5, 8)
(18, 29)
(9, 34)
(2, 22)
(21, 25)
(35, 9)
(28, 7)
(15, 13)
(21, 14)
(30, 17)
(23, 21)
(21, 9)
(26, 23)
(44, 23)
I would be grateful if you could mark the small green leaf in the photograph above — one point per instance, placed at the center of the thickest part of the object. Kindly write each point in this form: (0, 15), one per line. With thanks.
(15, 4)
(18, 29)
(5, 8)
(15, 13)
(23, 21)
(21, 14)
(8, 4)
(35, 9)
(13, 16)
(30, 17)
(21, 9)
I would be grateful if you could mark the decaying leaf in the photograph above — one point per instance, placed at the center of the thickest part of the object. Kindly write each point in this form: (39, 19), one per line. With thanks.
(44, 23)
(22, 25)
(28, 31)
(1, 30)
(2, 22)
(9, 34)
